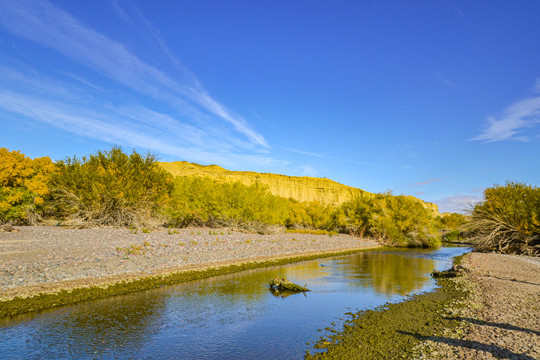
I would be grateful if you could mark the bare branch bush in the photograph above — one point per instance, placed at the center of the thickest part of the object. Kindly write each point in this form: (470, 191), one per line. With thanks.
(508, 221)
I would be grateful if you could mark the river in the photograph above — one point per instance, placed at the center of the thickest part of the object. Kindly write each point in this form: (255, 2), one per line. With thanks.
(227, 317)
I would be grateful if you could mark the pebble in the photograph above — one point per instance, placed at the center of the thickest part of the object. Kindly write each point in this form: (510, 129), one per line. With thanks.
(63, 252)
(507, 315)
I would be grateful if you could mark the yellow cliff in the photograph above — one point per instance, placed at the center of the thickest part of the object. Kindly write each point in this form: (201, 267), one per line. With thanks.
(299, 188)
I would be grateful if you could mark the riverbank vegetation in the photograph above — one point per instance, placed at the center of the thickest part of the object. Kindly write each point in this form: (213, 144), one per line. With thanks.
(508, 220)
(112, 188)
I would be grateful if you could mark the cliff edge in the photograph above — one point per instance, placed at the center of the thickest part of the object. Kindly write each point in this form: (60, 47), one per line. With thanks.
(300, 188)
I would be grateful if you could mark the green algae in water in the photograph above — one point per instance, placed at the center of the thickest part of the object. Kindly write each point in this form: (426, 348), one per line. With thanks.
(392, 331)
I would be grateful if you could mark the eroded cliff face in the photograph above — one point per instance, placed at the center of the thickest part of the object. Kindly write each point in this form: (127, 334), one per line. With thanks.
(301, 189)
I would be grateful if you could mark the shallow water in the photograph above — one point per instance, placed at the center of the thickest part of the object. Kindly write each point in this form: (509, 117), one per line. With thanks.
(228, 317)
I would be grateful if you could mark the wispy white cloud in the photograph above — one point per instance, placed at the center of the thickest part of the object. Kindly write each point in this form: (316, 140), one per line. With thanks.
(119, 10)
(444, 80)
(458, 204)
(305, 153)
(136, 129)
(426, 182)
(265, 121)
(408, 152)
(51, 27)
(517, 118)
(81, 80)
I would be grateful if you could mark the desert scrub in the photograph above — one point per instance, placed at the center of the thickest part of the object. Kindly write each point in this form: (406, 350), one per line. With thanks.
(111, 188)
(395, 220)
(453, 235)
(309, 215)
(201, 202)
(508, 220)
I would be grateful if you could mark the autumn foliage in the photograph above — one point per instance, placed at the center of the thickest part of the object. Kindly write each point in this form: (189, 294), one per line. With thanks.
(23, 186)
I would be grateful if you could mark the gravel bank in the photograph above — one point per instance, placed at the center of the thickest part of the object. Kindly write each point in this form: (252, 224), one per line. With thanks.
(504, 319)
(46, 258)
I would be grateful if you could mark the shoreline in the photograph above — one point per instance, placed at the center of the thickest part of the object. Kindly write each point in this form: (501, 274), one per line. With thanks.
(490, 310)
(503, 319)
(45, 267)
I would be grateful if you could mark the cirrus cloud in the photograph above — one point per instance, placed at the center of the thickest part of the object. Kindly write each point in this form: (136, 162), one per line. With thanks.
(183, 95)
(512, 125)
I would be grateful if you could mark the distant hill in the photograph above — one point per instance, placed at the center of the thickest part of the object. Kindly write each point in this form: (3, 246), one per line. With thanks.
(299, 188)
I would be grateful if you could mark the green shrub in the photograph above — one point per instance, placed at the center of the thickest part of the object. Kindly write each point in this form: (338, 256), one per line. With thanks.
(453, 235)
(508, 220)
(404, 221)
(395, 220)
(452, 221)
(309, 215)
(354, 216)
(23, 186)
(111, 188)
(201, 201)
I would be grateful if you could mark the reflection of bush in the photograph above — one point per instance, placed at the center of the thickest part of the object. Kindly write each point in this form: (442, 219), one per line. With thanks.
(107, 325)
(393, 273)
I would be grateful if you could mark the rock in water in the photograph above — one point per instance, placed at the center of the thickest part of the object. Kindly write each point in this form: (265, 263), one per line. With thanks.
(282, 284)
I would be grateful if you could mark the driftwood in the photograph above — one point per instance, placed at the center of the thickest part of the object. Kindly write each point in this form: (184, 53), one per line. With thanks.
(282, 285)
(456, 270)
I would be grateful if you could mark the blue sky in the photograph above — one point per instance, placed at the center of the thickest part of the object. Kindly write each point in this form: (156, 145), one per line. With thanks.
(436, 99)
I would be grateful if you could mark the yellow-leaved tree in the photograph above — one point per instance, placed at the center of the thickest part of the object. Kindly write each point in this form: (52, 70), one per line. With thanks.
(23, 186)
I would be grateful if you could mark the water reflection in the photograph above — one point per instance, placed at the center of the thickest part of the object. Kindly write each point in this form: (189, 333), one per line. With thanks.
(233, 316)
(392, 274)
(99, 328)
